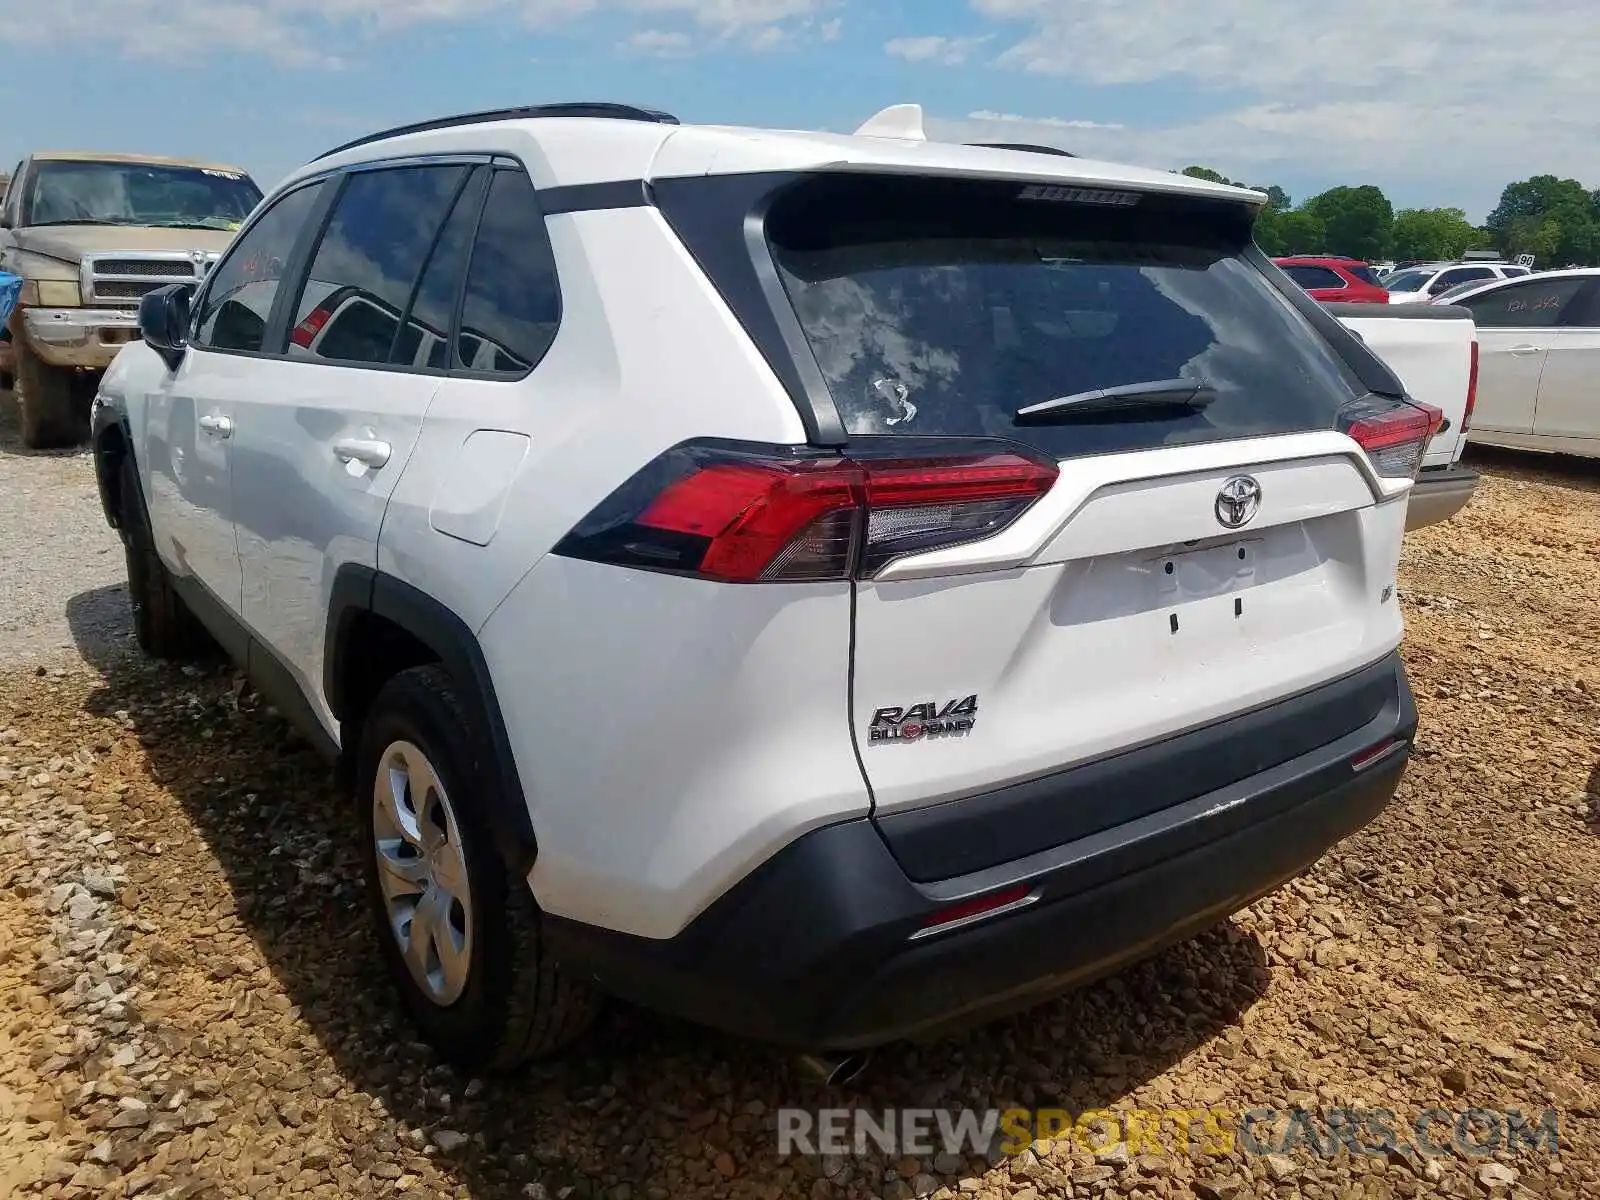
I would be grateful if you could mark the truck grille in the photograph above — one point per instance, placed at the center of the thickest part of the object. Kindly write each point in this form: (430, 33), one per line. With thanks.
(173, 269)
(123, 277)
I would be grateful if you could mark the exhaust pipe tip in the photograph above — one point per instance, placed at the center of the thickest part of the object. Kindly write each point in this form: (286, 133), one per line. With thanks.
(834, 1070)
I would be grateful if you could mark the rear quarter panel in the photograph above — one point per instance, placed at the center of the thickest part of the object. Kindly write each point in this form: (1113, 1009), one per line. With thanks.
(1430, 348)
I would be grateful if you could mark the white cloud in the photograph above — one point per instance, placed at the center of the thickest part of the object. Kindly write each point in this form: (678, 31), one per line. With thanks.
(318, 33)
(1447, 94)
(659, 43)
(947, 51)
(999, 118)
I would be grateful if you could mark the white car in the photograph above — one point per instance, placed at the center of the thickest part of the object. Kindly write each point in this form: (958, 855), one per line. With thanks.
(1427, 280)
(1539, 362)
(832, 587)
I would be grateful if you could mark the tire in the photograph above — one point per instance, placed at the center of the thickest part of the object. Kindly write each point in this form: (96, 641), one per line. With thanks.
(44, 394)
(500, 1000)
(163, 624)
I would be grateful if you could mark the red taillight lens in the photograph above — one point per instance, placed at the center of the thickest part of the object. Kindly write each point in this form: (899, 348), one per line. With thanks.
(746, 517)
(1472, 390)
(1394, 433)
(305, 332)
(751, 514)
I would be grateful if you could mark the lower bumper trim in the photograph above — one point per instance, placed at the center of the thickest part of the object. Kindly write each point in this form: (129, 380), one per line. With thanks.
(1439, 495)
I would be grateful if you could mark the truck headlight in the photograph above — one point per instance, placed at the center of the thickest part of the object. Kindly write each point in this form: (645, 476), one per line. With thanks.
(59, 293)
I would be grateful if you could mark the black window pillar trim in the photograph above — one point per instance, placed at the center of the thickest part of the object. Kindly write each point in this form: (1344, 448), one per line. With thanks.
(1373, 373)
(359, 590)
(704, 212)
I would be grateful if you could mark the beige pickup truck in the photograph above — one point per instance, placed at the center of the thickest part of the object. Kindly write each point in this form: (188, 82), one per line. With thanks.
(90, 234)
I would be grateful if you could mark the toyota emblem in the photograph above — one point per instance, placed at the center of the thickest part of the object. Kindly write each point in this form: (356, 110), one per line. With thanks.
(1238, 502)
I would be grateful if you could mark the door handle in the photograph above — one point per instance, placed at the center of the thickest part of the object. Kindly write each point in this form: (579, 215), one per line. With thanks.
(371, 453)
(217, 426)
(1525, 348)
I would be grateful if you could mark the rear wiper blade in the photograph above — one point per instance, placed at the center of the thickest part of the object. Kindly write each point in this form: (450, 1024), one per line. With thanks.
(1153, 394)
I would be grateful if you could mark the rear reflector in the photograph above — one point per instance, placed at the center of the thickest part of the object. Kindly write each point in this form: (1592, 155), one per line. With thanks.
(747, 516)
(1394, 433)
(1367, 757)
(978, 908)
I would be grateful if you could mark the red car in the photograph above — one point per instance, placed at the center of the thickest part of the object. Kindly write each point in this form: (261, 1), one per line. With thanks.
(1332, 277)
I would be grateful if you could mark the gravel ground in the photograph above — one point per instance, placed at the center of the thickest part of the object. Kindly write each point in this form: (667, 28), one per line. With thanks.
(190, 1003)
(61, 567)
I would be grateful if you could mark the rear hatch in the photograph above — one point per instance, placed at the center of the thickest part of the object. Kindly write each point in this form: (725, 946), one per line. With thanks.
(1208, 539)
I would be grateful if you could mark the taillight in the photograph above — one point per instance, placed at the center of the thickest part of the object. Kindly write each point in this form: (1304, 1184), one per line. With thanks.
(747, 516)
(1394, 433)
(1472, 390)
(305, 332)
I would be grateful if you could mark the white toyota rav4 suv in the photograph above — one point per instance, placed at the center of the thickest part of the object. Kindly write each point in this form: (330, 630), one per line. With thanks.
(833, 588)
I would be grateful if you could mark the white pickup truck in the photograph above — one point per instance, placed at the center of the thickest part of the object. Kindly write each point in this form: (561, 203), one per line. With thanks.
(1434, 351)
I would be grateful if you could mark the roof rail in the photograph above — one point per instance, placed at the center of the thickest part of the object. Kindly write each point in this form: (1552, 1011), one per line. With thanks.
(1025, 148)
(606, 111)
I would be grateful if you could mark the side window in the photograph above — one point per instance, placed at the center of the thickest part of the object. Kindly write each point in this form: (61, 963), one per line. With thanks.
(1536, 303)
(426, 338)
(1310, 277)
(241, 288)
(1583, 312)
(1448, 279)
(360, 280)
(512, 302)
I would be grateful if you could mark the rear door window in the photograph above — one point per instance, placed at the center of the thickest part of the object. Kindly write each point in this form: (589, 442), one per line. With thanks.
(1448, 279)
(1310, 277)
(360, 281)
(941, 308)
(1537, 303)
(1407, 281)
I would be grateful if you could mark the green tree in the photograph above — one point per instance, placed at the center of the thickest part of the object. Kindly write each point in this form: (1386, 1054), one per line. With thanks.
(1277, 199)
(1540, 196)
(1535, 235)
(1205, 173)
(1293, 232)
(1433, 233)
(1358, 221)
(1557, 215)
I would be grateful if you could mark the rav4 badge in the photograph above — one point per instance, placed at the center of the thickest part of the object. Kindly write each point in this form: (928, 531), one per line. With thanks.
(953, 718)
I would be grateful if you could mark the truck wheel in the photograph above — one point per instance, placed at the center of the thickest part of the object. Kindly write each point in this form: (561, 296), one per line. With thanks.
(460, 934)
(162, 622)
(44, 394)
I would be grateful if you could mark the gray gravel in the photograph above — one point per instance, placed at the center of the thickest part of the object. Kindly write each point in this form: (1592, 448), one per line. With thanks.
(61, 569)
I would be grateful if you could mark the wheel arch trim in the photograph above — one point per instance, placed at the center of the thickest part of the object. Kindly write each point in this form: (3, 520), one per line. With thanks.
(358, 591)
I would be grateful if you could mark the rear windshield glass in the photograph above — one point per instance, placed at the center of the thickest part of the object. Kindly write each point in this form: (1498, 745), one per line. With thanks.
(938, 308)
(1365, 274)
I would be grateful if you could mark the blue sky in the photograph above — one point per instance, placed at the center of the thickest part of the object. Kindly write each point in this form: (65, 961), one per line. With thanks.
(1437, 101)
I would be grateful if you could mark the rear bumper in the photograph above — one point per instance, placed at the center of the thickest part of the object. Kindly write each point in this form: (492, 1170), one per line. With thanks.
(1439, 494)
(818, 947)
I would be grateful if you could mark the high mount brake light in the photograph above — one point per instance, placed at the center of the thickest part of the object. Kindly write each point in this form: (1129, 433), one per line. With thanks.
(746, 517)
(1394, 433)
